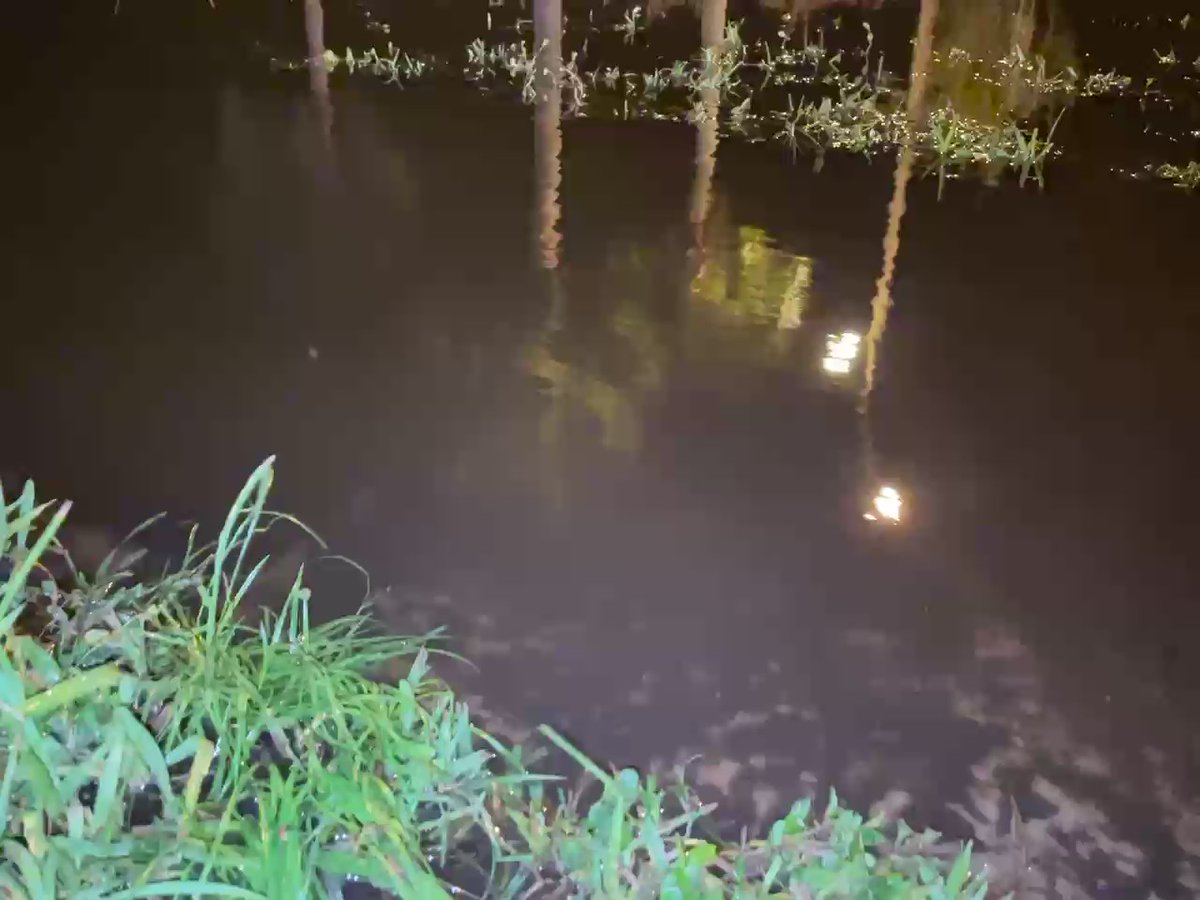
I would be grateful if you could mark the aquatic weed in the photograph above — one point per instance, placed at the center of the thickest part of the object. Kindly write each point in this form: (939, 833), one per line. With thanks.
(394, 66)
(633, 22)
(1185, 177)
(954, 142)
(813, 100)
(654, 83)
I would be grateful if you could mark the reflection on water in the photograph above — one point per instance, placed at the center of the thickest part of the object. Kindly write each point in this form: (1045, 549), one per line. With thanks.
(314, 30)
(561, 383)
(795, 298)
(739, 279)
(547, 134)
(745, 277)
(984, 56)
(712, 35)
(739, 272)
(841, 350)
(882, 301)
(887, 502)
(886, 505)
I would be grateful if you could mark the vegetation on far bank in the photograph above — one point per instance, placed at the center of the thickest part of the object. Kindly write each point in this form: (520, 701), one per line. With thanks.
(155, 744)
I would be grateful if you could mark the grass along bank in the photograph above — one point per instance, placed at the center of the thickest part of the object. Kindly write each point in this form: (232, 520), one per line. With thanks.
(154, 744)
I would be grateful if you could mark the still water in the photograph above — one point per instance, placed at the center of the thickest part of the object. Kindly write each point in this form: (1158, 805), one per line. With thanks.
(564, 385)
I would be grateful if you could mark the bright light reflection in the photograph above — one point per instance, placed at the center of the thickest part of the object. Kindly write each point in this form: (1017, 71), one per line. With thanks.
(835, 366)
(886, 505)
(840, 352)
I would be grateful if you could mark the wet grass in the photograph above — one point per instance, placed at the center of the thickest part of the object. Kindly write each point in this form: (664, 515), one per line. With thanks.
(153, 743)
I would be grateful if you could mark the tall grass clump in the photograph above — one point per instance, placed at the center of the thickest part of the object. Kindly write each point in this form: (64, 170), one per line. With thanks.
(153, 743)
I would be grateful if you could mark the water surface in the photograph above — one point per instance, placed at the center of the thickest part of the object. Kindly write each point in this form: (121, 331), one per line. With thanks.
(557, 383)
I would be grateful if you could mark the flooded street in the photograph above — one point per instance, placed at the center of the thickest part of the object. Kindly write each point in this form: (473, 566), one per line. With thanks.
(612, 396)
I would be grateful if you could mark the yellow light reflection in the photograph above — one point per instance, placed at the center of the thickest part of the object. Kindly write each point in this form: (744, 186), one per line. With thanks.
(840, 352)
(887, 505)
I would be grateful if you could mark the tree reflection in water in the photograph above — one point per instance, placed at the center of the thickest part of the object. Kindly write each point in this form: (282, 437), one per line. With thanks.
(979, 49)
(736, 275)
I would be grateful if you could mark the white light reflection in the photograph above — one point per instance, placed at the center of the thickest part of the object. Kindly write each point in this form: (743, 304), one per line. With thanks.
(840, 352)
(887, 505)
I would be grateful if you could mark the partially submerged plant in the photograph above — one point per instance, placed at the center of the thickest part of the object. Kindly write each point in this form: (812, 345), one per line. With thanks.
(153, 743)
(993, 114)
(1185, 177)
(1099, 83)
(633, 22)
(955, 143)
(394, 66)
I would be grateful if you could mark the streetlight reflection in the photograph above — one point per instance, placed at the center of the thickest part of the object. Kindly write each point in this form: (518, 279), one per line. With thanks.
(840, 352)
(886, 506)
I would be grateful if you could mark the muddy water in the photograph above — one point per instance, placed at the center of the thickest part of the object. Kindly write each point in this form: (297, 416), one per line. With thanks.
(558, 382)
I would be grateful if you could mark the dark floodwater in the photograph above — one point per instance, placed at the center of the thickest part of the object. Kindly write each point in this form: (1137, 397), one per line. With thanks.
(605, 452)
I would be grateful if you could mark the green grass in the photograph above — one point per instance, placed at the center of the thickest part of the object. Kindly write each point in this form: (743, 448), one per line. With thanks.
(154, 744)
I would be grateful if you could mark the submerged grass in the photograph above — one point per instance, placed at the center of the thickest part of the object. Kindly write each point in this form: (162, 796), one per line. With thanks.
(154, 744)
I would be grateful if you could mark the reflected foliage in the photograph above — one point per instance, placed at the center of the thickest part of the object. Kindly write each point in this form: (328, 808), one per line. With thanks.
(999, 61)
(568, 387)
(746, 298)
(750, 280)
(622, 360)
